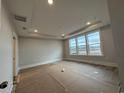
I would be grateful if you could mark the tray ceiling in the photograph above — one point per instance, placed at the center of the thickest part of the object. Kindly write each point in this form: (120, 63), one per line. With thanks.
(63, 17)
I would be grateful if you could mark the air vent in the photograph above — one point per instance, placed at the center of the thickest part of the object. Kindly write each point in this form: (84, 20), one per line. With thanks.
(20, 18)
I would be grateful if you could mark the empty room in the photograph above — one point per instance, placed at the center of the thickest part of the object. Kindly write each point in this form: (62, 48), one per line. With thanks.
(61, 46)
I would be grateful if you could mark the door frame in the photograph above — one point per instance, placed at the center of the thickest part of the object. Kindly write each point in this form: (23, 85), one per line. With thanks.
(14, 57)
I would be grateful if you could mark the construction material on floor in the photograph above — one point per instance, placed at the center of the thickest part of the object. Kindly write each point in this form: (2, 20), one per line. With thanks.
(69, 77)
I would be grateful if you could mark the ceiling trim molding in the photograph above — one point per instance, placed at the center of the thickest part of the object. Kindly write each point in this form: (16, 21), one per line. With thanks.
(42, 37)
(41, 34)
(85, 27)
(47, 36)
(85, 30)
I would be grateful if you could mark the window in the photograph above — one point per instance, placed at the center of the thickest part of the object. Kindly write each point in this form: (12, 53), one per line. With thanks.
(72, 46)
(93, 43)
(81, 45)
(86, 44)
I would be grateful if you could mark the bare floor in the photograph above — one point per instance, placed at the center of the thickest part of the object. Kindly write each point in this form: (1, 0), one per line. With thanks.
(76, 78)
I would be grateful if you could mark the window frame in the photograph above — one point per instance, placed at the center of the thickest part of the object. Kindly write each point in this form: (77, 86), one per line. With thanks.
(101, 46)
(76, 46)
(87, 45)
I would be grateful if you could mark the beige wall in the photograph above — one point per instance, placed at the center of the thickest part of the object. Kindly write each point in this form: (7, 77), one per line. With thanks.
(6, 47)
(116, 8)
(109, 57)
(33, 52)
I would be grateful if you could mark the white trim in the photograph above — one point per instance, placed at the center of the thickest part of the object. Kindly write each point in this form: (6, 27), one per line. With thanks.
(86, 42)
(10, 88)
(18, 70)
(88, 29)
(105, 63)
(122, 92)
(119, 88)
(38, 64)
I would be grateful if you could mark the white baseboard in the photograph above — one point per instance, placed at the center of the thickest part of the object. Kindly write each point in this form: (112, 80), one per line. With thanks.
(38, 64)
(10, 89)
(94, 62)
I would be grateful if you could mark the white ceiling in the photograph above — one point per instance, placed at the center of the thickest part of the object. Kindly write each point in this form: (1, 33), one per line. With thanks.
(64, 17)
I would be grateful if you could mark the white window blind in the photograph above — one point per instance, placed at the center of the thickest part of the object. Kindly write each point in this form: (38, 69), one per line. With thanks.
(86, 44)
(93, 41)
(81, 45)
(72, 46)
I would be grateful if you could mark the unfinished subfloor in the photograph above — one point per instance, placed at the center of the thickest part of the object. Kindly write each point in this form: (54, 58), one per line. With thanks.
(76, 78)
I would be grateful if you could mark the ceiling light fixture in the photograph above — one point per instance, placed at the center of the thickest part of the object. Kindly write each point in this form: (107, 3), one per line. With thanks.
(50, 2)
(88, 23)
(96, 72)
(63, 35)
(36, 30)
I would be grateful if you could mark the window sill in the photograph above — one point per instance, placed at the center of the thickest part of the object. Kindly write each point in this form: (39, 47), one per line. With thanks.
(89, 55)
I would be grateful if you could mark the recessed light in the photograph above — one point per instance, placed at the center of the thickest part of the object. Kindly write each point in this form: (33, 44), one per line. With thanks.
(63, 34)
(36, 30)
(50, 2)
(88, 23)
(96, 72)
